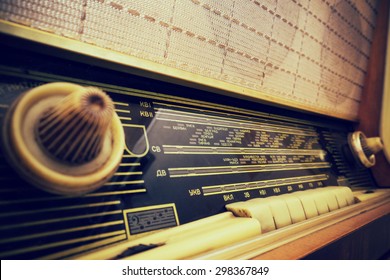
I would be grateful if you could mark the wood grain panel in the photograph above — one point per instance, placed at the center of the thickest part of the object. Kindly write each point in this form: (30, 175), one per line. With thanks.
(371, 102)
(365, 236)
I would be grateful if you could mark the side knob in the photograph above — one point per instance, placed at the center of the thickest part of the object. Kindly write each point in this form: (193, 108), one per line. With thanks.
(64, 138)
(363, 148)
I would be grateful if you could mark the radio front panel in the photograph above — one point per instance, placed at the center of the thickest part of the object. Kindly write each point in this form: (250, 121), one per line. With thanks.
(187, 154)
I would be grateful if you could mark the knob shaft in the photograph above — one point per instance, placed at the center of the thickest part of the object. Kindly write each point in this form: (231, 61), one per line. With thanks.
(372, 145)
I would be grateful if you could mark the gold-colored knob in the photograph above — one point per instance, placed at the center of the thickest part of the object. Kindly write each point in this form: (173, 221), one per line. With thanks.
(371, 146)
(364, 149)
(73, 130)
(64, 138)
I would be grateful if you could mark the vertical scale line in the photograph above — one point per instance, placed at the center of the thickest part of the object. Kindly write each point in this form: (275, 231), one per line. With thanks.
(269, 45)
(300, 52)
(340, 78)
(83, 18)
(322, 74)
(169, 32)
(227, 39)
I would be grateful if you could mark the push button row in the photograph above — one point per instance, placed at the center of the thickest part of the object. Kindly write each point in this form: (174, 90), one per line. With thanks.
(283, 210)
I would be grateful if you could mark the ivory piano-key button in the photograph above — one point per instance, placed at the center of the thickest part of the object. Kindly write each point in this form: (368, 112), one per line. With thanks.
(236, 208)
(279, 211)
(309, 206)
(260, 212)
(295, 208)
(257, 209)
(330, 199)
(320, 201)
(340, 196)
(349, 195)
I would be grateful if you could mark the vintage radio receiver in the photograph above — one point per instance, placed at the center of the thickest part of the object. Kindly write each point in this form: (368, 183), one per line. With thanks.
(192, 129)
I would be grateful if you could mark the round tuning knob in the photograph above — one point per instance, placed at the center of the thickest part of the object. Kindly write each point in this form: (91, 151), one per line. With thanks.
(64, 138)
(364, 149)
(73, 130)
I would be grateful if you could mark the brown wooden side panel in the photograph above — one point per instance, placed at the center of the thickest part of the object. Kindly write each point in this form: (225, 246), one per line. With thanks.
(372, 241)
(365, 236)
(371, 102)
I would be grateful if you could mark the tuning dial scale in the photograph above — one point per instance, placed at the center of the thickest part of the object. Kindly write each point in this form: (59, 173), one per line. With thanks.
(64, 138)
(363, 148)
